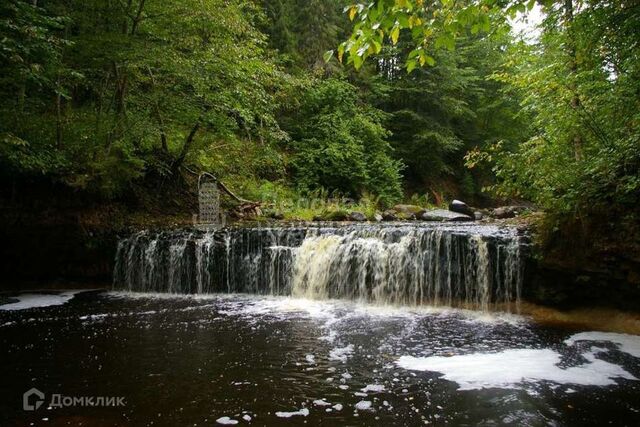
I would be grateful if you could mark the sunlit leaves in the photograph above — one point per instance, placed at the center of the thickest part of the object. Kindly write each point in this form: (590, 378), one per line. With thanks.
(431, 25)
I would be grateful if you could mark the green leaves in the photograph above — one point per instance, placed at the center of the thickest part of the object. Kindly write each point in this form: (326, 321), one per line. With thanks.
(431, 25)
(120, 98)
(339, 144)
(579, 158)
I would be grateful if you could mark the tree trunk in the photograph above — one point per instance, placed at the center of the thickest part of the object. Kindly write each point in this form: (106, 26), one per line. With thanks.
(577, 139)
(186, 147)
(163, 134)
(58, 119)
(136, 19)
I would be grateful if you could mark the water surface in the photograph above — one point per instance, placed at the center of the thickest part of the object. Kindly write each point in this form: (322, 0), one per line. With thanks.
(188, 360)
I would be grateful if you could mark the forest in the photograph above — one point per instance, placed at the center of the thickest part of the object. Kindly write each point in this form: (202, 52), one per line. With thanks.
(320, 212)
(125, 101)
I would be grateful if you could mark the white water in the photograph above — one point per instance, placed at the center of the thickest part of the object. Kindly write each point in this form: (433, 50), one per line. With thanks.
(32, 300)
(514, 367)
(398, 264)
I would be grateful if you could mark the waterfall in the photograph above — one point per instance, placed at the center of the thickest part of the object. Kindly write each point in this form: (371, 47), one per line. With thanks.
(410, 264)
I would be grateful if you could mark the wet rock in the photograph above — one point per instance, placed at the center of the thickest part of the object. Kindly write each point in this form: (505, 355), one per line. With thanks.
(503, 212)
(461, 207)
(507, 211)
(443, 215)
(357, 216)
(389, 215)
(275, 215)
(377, 217)
(407, 211)
(477, 215)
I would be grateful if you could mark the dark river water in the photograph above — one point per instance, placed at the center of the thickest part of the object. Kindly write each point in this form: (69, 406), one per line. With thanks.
(184, 360)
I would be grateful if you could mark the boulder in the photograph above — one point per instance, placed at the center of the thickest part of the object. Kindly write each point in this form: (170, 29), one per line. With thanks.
(338, 215)
(477, 215)
(275, 215)
(377, 217)
(460, 207)
(443, 215)
(389, 215)
(357, 216)
(507, 211)
(407, 211)
(503, 212)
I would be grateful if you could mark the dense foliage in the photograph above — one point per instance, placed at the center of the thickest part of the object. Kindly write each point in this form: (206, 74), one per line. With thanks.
(107, 97)
(132, 90)
(339, 144)
(577, 87)
(581, 87)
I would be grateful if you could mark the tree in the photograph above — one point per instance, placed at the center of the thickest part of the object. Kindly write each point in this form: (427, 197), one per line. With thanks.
(581, 81)
(339, 144)
(134, 88)
(303, 30)
(440, 112)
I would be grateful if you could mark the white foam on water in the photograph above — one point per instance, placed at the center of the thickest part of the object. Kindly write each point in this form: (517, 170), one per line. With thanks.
(341, 353)
(326, 310)
(310, 358)
(337, 406)
(303, 412)
(376, 388)
(246, 417)
(35, 300)
(363, 405)
(626, 343)
(514, 367)
(226, 421)
(321, 402)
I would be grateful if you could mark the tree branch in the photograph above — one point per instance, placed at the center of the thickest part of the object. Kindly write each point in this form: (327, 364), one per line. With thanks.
(186, 146)
(163, 133)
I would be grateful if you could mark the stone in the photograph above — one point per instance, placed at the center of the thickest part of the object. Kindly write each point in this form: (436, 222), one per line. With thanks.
(443, 215)
(477, 215)
(404, 212)
(460, 207)
(377, 217)
(503, 212)
(389, 215)
(275, 215)
(508, 211)
(338, 215)
(357, 216)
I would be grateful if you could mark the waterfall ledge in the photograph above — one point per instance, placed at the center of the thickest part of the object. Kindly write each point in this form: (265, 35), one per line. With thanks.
(474, 266)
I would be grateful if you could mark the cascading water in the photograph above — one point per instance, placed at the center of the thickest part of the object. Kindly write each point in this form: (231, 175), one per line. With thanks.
(411, 264)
